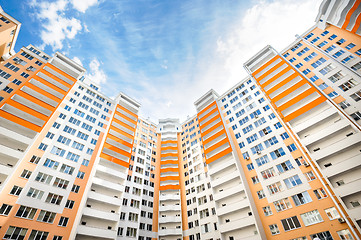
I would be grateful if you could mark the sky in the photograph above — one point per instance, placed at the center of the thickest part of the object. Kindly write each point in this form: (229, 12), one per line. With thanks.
(165, 54)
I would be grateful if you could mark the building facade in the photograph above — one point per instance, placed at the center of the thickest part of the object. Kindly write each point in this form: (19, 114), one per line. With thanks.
(277, 156)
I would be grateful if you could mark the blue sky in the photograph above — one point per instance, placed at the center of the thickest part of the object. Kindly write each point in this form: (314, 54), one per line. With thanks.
(165, 54)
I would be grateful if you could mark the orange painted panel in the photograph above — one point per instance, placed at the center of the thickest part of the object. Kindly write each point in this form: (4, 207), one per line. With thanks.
(169, 155)
(169, 162)
(41, 91)
(35, 100)
(123, 124)
(56, 78)
(296, 99)
(207, 115)
(126, 117)
(211, 120)
(169, 141)
(206, 108)
(349, 14)
(169, 178)
(128, 111)
(168, 148)
(219, 155)
(116, 149)
(288, 90)
(212, 128)
(275, 77)
(60, 71)
(266, 65)
(217, 145)
(27, 110)
(121, 141)
(271, 70)
(305, 108)
(20, 121)
(169, 187)
(121, 131)
(214, 136)
(163, 170)
(114, 160)
(50, 85)
(284, 82)
(357, 22)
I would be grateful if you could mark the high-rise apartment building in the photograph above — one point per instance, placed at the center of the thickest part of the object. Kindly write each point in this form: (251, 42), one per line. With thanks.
(277, 156)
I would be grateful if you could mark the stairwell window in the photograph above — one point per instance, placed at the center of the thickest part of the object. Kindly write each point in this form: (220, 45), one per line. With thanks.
(290, 223)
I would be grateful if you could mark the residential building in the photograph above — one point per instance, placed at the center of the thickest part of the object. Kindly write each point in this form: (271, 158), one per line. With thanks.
(274, 157)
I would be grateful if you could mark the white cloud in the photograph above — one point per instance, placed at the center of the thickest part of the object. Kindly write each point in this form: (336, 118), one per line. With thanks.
(78, 61)
(96, 74)
(83, 5)
(56, 26)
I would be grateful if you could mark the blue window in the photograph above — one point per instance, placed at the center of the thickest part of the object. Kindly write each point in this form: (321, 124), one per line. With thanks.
(333, 37)
(277, 153)
(238, 135)
(292, 181)
(278, 125)
(250, 167)
(318, 62)
(339, 53)
(324, 33)
(358, 52)
(322, 44)
(226, 105)
(241, 144)
(315, 40)
(299, 65)
(286, 55)
(234, 127)
(285, 166)
(330, 48)
(228, 112)
(314, 78)
(262, 160)
(306, 71)
(339, 42)
(308, 36)
(292, 147)
(245, 155)
(272, 116)
(347, 59)
(333, 94)
(265, 108)
(351, 45)
(284, 135)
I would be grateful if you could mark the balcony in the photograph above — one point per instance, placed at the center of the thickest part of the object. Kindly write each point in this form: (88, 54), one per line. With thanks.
(172, 231)
(104, 198)
(108, 184)
(11, 152)
(236, 224)
(228, 192)
(112, 172)
(166, 197)
(345, 165)
(170, 219)
(243, 203)
(225, 179)
(95, 213)
(96, 232)
(214, 169)
(348, 188)
(169, 208)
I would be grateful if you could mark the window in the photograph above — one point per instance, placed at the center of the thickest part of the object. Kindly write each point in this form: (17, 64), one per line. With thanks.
(338, 53)
(35, 193)
(16, 190)
(43, 178)
(358, 52)
(63, 221)
(301, 198)
(45, 216)
(5, 209)
(61, 183)
(292, 147)
(85, 162)
(72, 157)
(131, 232)
(69, 204)
(26, 212)
(290, 223)
(284, 136)
(322, 235)
(348, 85)
(57, 237)
(311, 217)
(332, 213)
(270, 142)
(54, 199)
(356, 96)
(274, 188)
(51, 164)
(58, 151)
(250, 167)
(261, 194)
(357, 66)
(345, 234)
(26, 174)
(333, 37)
(268, 173)
(318, 62)
(327, 69)
(267, 211)
(16, 81)
(255, 180)
(43, 146)
(69, 130)
(282, 204)
(320, 193)
(67, 169)
(346, 59)
(277, 153)
(274, 229)
(310, 176)
(16, 233)
(75, 188)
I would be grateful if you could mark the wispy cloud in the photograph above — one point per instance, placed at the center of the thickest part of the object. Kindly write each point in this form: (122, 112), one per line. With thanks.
(56, 25)
(96, 74)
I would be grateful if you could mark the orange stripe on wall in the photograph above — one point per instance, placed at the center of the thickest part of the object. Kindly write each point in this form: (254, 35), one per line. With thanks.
(289, 90)
(121, 141)
(28, 110)
(127, 111)
(219, 155)
(19, 121)
(169, 178)
(266, 65)
(200, 120)
(35, 100)
(357, 23)
(212, 128)
(206, 108)
(215, 146)
(117, 150)
(297, 99)
(305, 108)
(214, 137)
(169, 187)
(271, 70)
(349, 14)
(114, 160)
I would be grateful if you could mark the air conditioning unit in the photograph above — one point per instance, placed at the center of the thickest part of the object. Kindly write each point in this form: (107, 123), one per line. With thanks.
(341, 220)
(17, 62)
(258, 152)
(247, 158)
(306, 164)
(28, 69)
(256, 116)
